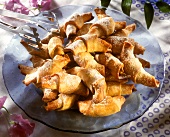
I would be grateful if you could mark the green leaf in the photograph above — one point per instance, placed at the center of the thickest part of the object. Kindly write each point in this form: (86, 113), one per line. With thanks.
(149, 13)
(126, 6)
(105, 3)
(163, 6)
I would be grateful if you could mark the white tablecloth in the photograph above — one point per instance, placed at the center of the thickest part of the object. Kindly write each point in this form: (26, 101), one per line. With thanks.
(154, 123)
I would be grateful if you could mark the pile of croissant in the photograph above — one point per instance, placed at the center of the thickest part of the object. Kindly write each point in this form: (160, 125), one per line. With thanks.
(88, 66)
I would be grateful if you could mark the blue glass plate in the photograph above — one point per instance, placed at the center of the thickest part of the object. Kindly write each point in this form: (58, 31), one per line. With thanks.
(29, 98)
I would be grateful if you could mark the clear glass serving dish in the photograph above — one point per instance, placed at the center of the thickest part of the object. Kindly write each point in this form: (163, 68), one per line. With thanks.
(29, 98)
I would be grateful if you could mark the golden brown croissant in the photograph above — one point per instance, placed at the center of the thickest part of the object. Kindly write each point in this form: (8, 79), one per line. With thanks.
(43, 53)
(117, 44)
(55, 104)
(63, 102)
(86, 60)
(118, 89)
(68, 83)
(55, 46)
(133, 67)
(84, 29)
(119, 25)
(48, 68)
(103, 27)
(75, 22)
(49, 94)
(126, 31)
(68, 101)
(62, 81)
(65, 83)
(88, 43)
(111, 62)
(95, 82)
(50, 82)
(36, 76)
(94, 44)
(100, 13)
(76, 47)
(54, 33)
(108, 106)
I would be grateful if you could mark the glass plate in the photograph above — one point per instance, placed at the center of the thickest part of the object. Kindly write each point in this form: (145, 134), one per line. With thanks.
(29, 98)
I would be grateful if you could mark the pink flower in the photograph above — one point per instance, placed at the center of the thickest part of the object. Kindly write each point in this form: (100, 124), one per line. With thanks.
(22, 10)
(9, 4)
(33, 3)
(16, 6)
(41, 4)
(20, 127)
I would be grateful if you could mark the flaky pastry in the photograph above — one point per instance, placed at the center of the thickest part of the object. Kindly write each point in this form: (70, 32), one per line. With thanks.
(134, 67)
(89, 66)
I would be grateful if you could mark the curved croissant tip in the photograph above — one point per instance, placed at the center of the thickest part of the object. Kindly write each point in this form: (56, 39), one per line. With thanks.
(127, 44)
(157, 83)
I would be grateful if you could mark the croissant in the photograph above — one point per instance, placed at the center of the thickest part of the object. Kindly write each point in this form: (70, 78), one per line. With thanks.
(119, 25)
(35, 76)
(103, 27)
(84, 29)
(117, 44)
(133, 67)
(55, 47)
(111, 62)
(68, 101)
(88, 43)
(86, 60)
(101, 14)
(65, 83)
(87, 65)
(48, 68)
(76, 47)
(118, 89)
(55, 104)
(49, 94)
(54, 33)
(62, 81)
(75, 22)
(43, 53)
(126, 31)
(50, 82)
(94, 44)
(108, 106)
(63, 102)
(95, 82)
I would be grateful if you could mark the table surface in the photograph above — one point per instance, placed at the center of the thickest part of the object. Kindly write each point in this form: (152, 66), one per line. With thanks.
(155, 122)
